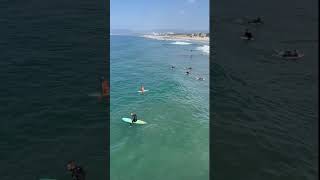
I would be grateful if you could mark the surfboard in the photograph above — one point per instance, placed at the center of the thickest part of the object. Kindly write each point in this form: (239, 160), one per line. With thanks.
(280, 55)
(200, 79)
(255, 23)
(129, 120)
(246, 38)
(293, 58)
(143, 91)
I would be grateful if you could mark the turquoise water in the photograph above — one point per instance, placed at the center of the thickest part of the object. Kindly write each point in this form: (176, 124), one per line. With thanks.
(175, 142)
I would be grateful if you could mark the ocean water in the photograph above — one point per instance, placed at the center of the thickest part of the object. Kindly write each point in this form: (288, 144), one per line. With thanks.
(264, 109)
(175, 142)
(52, 56)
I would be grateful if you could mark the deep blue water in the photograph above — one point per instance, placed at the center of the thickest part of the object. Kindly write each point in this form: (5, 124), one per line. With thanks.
(52, 56)
(264, 110)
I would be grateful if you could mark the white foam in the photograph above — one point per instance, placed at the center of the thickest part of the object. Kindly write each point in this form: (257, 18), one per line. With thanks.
(204, 48)
(181, 43)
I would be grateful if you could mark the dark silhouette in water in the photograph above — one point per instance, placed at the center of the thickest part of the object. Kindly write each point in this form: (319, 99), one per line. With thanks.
(248, 34)
(77, 172)
(133, 117)
(258, 20)
(105, 87)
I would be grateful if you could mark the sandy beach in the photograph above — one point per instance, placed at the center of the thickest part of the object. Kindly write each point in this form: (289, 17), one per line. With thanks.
(178, 38)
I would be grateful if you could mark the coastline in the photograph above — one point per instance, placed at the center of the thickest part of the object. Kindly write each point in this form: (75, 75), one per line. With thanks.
(178, 38)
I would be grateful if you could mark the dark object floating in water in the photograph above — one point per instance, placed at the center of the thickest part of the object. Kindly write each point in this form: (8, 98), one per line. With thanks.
(247, 38)
(255, 22)
(289, 55)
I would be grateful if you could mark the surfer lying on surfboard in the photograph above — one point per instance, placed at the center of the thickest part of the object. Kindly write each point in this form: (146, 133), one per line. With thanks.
(290, 54)
(247, 35)
(258, 20)
(287, 54)
(76, 171)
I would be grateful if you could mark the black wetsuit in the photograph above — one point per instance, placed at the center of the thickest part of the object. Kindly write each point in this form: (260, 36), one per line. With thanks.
(134, 118)
(78, 173)
(287, 54)
(248, 35)
(257, 21)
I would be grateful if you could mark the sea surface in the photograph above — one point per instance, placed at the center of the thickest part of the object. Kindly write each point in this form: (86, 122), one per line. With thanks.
(264, 110)
(175, 142)
(52, 56)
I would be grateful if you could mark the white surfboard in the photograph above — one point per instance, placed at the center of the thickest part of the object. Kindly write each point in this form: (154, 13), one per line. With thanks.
(129, 120)
(246, 38)
(281, 53)
(143, 91)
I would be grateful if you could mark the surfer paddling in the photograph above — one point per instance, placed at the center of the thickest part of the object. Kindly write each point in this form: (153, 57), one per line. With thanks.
(258, 20)
(105, 87)
(77, 172)
(287, 54)
(200, 78)
(247, 35)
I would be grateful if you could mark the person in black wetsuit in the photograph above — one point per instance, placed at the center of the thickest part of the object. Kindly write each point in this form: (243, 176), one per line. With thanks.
(295, 53)
(287, 54)
(133, 117)
(77, 172)
(256, 21)
(248, 34)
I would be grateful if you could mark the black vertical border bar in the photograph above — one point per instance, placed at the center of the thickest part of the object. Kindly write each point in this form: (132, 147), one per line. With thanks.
(106, 58)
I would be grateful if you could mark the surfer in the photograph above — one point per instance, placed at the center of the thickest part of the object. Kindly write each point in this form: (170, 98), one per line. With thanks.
(295, 53)
(77, 172)
(172, 67)
(256, 21)
(187, 73)
(105, 88)
(133, 117)
(142, 89)
(200, 78)
(286, 54)
(248, 34)
(290, 53)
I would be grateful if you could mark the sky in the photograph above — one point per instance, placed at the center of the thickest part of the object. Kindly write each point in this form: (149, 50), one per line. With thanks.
(144, 15)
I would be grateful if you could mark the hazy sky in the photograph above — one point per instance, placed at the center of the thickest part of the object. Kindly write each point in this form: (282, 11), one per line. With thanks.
(159, 14)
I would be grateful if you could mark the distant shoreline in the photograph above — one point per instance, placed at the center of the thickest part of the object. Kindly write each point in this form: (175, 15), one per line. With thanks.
(177, 38)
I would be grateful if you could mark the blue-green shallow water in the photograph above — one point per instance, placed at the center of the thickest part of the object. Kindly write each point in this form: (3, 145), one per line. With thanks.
(175, 142)
(52, 56)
